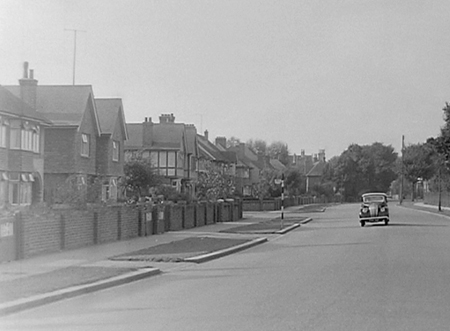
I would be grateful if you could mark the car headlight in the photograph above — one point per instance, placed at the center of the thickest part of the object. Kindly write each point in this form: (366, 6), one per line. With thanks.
(364, 210)
(383, 209)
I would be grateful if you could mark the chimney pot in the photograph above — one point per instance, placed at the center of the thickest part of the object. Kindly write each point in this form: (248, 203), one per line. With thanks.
(31, 74)
(25, 69)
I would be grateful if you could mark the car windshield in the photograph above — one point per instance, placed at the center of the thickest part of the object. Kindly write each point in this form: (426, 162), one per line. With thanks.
(374, 198)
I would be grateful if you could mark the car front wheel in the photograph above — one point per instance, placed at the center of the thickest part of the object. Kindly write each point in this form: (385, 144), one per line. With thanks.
(363, 223)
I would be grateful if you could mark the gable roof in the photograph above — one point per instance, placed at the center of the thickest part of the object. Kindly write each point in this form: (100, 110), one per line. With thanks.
(316, 170)
(168, 136)
(277, 165)
(110, 111)
(135, 131)
(11, 104)
(191, 139)
(210, 151)
(64, 105)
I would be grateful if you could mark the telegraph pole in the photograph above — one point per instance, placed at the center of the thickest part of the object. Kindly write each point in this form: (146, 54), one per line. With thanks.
(74, 51)
(282, 201)
(402, 170)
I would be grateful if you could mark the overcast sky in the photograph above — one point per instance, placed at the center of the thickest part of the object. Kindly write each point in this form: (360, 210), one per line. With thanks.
(313, 74)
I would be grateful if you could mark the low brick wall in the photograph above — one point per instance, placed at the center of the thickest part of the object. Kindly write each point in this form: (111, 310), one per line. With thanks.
(275, 204)
(42, 231)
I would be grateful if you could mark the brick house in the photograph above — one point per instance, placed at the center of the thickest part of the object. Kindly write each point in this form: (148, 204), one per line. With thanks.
(315, 174)
(248, 168)
(110, 146)
(170, 147)
(211, 157)
(22, 132)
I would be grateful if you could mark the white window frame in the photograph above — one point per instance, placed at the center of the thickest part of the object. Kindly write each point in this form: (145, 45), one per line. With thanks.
(115, 151)
(3, 132)
(85, 145)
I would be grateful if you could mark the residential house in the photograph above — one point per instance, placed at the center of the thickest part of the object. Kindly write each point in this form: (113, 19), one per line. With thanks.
(248, 169)
(110, 146)
(22, 132)
(170, 147)
(314, 176)
(211, 156)
(71, 166)
(302, 162)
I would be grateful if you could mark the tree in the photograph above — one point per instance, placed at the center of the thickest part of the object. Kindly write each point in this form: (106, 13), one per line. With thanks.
(213, 184)
(418, 163)
(279, 150)
(233, 142)
(295, 182)
(258, 146)
(140, 176)
(365, 168)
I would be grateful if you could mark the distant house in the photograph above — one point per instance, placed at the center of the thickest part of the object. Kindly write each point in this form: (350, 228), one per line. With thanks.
(248, 169)
(302, 162)
(314, 176)
(170, 147)
(78, 152)
(22, 132)
(110, 146)
(211, 155)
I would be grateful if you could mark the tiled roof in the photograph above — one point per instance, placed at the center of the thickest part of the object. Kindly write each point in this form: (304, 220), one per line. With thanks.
(109, 112)
(164, 136)
(191, 137)
(276, 164)
(209, 150)
(10, 103)
(168, 135)
(134, 135)
(317, 170)
(58, 100)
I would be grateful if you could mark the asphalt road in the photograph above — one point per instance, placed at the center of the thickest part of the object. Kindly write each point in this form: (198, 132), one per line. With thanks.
(330, 274)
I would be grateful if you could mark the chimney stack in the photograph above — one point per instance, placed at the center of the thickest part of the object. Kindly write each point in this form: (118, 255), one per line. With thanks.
(221, 141)
(28, 87)
(206, 134)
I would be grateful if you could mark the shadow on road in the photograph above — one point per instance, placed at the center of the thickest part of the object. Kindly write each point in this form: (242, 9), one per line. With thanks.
(406, 224)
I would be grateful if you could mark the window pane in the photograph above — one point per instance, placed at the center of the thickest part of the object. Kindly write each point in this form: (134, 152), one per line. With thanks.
(163, 159)
(170, 172)
(171, 156)
(14, 193)
(15, 138)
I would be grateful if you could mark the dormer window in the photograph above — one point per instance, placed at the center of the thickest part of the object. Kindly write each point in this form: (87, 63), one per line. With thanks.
(85, 145)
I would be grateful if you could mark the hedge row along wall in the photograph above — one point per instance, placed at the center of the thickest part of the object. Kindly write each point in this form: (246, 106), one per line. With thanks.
(47, 231)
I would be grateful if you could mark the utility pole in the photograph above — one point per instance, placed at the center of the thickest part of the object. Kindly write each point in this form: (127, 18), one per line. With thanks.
(282, 201)
(74, 51)
(402, 171)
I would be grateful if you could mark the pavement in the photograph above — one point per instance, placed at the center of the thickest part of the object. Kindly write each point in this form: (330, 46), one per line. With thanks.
(40, 280)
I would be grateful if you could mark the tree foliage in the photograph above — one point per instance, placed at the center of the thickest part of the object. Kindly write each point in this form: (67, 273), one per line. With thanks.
(213, 184)
(279, 150)
(295, 182)
(418, 162)
(140, 176)
(365, 168)
(258, 146)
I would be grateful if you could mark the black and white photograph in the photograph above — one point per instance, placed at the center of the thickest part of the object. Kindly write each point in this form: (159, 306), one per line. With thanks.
(225, 165)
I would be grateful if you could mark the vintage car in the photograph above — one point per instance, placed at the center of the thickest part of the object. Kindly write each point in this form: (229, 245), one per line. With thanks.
(374, 208)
